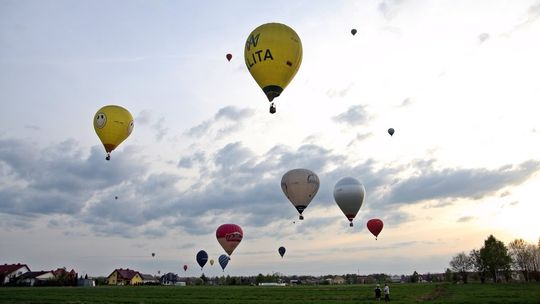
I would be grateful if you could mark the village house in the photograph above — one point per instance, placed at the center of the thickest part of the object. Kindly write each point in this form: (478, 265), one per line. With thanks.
(11, 271)
(124, 277)
(32, 278)
(149, 279)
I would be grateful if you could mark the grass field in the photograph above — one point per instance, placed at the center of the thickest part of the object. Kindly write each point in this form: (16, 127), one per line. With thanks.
(400, 293)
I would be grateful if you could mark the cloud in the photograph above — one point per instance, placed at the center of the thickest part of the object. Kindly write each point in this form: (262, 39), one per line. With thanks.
(339, 93)
(465, 219)
(233, 113)
(143, 118)
(32, 127)
(389, 8)
(429, 183)
(483, 37)
(56, 180)
(226, 114)
(232, 183)
(355, 115)
(406, 102)
(160, 129)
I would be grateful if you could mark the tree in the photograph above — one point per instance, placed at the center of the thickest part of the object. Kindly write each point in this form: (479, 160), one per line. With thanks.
(448, 275)
(494, 256)
(521, 256)
(414, 277)
(478, 264)
(462, 264)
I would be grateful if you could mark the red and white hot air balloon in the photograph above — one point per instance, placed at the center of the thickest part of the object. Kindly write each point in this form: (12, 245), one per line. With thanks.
(229, 236)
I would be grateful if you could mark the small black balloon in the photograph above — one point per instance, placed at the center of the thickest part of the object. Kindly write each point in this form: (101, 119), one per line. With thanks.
(353, 32)
(391, 131)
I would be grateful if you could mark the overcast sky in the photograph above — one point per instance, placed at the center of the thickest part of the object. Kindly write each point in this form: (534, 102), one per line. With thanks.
(457, 80)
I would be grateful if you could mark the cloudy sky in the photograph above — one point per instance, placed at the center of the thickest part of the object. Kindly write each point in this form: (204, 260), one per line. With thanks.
(457, 80)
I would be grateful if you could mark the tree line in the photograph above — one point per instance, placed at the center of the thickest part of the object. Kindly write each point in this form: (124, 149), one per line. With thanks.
(496, 261)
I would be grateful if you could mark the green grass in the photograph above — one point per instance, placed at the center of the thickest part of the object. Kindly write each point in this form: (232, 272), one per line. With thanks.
(400, 293)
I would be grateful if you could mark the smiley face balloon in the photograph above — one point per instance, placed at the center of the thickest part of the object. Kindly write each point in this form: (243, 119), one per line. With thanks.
(112, 124)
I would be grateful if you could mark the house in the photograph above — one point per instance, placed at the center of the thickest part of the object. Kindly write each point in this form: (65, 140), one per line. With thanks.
(32, 278)
(124, 277)
(170, 279)
(149, 279)
(65, 277)
(11, 271)
(396, 279)
(338, 280)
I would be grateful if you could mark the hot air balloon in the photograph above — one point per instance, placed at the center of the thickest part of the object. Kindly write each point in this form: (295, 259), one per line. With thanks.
(153, 254)
(375, 226)
(229, 57)
(273, 55)
(391, 131)
(113, 124)
(185, 267)
(353, 32)
(349, 195)
(116, 197)
(300, 187)
(202, 258)
(223, 261)
(212, 262)
(281, 251)
(229, 236)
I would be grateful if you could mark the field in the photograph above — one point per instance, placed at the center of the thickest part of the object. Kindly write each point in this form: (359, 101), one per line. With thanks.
(400, 293)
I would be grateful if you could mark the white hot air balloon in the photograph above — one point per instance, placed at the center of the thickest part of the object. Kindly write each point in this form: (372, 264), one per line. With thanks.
(300, 187)
(349, 195)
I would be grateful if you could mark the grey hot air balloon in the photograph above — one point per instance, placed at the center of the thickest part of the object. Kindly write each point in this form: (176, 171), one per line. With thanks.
(349, 195)
(300, 187)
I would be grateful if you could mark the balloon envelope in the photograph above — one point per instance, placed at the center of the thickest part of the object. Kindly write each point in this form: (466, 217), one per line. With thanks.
(202, 258)
(300, 187)
(229, 236)
(273, 54)
(212, 262)
(353, 32)
(112, 124)
(375, 226)
(229, 57)
(153, 254)
(349, 195)
(223, 261)
(281, 251)
(185, 267)
(391, 131)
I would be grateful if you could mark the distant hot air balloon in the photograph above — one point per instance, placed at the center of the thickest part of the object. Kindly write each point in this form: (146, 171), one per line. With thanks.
(375, 226)
(185, 267)
(116, 197)
(229, 57)
(349, 195)
(281, 251)
(391, 131)
(273, 54)
(300, 187)
(223, 261)
(353, 32)
(229, 236)
(113, 124)
(153, 254)
(212, 262)
(202, 258)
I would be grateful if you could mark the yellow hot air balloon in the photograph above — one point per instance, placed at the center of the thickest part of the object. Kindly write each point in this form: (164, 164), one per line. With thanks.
(273, 55)
(113, 124)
